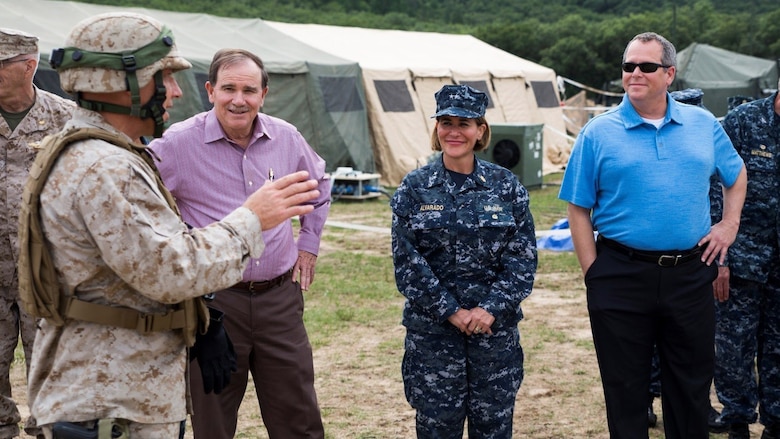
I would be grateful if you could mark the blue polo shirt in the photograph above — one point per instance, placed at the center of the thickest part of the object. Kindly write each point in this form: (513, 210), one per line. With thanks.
(648, 187)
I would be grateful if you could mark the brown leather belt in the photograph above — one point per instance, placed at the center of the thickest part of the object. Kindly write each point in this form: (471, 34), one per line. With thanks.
(262, 285)
(664, 258)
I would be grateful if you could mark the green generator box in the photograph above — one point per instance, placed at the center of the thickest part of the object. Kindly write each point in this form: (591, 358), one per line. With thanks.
(517, 147)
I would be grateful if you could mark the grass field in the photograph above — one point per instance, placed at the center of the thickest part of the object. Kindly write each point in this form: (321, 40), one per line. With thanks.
(353, 314)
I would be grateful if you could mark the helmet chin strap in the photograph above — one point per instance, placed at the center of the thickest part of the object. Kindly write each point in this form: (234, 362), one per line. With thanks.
(153, 109)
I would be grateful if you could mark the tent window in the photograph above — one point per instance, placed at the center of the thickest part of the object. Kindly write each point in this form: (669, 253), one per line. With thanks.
(200, 79)
(546, 97)
(481, 86)
(340, 93)
(394, 96)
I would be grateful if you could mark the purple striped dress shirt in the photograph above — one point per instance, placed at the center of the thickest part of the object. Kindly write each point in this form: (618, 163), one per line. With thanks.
(211, 176)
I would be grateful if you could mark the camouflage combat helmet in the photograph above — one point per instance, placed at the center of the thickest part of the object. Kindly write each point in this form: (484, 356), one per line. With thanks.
(114, 52)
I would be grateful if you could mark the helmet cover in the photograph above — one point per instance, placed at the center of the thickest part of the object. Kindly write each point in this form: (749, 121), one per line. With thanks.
(116, 33)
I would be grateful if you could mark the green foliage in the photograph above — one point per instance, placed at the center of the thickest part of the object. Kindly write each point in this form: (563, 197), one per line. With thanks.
(579, 39)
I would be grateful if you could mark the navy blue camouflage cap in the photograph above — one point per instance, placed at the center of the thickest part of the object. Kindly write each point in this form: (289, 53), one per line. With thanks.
(690, 96)
(460, 101)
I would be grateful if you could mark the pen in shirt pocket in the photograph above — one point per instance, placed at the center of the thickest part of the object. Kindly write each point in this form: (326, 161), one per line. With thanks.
(271, 174)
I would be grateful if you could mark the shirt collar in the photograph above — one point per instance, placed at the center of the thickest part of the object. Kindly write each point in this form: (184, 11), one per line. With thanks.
(439, 174)
(214, 131)
(632, 119)
(87, 118)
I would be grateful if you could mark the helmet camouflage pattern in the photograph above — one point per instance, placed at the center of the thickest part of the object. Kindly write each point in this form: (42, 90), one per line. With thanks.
(116, 33)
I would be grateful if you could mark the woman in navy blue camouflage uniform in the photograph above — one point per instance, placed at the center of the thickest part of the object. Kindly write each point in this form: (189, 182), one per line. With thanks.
(464, 250)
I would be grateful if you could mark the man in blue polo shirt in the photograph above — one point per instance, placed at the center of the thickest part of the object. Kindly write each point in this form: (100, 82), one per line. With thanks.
(639, 175)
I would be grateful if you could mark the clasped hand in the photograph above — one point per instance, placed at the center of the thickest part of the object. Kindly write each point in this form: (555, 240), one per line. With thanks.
(473, 321)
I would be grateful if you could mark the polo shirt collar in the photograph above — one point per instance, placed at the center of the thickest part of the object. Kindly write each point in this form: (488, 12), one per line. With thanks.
(632, 119)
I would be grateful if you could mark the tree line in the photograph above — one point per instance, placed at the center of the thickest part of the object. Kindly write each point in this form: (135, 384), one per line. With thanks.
(580, 39)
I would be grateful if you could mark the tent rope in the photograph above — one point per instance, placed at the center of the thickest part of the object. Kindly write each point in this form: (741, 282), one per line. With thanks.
(594, 90)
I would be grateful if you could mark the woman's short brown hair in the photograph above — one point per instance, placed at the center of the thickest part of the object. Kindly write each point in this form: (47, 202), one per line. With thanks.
(481, 145)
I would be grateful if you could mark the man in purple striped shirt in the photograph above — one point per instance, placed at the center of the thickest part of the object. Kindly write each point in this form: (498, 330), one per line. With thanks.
(211, 162)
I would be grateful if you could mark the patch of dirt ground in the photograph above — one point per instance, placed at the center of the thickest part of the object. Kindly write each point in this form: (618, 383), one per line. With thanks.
(361, 394)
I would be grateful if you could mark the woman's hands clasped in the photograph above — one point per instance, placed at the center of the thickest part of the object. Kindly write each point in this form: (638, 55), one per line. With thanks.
(473, 321)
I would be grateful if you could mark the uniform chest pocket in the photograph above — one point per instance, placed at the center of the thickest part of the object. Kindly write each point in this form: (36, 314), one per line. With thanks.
(494, 228)
(495, 219)
(760, 160)
(431, 229)
(762, 177)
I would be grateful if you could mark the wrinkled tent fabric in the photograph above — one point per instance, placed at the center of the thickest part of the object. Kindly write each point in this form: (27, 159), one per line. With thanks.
(320, 93)
(402, 70)
(721, 74)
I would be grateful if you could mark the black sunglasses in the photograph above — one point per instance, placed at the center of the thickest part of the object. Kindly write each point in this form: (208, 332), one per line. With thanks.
(645, 67)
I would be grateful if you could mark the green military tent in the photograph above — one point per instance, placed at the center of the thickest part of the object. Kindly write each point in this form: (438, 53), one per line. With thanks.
(722, 74)
(320, 93)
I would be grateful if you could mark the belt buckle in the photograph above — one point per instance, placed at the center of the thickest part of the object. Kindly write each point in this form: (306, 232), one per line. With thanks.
(668, 260)
(258, 285)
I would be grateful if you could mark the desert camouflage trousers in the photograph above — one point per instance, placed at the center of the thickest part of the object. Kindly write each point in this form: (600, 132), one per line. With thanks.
(171, 430)
(13, 322)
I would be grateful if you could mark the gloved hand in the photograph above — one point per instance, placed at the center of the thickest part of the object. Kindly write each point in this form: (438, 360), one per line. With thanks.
(215, 354)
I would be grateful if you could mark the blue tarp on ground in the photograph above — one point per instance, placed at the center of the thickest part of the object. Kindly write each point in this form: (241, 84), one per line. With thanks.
(559, 240)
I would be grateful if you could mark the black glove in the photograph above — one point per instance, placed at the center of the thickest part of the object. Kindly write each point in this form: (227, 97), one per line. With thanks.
(215, 354)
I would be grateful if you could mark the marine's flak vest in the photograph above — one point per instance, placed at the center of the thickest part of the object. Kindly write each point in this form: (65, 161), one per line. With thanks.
(39, 288)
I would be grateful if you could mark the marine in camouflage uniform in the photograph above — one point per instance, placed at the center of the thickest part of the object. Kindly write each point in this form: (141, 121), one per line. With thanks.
(462, 245)
(748, 323)
(27, 114)
(116, 240)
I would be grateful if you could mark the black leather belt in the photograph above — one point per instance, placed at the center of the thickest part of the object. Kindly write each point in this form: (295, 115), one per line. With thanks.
(262, 285)
(662, 258)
